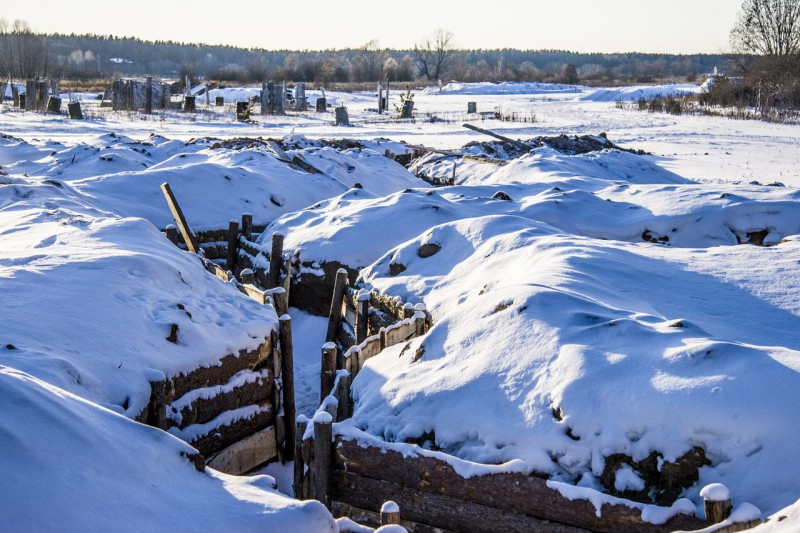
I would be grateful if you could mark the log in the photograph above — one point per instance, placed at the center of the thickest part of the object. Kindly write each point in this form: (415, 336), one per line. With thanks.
(512, 493)
(335, 313)
(390, 513)
(287, 378)
(75, 112)
(180, 220)
(408, 310)
(323, 429)
(247, 276)
(299, 463)
(275, 260)
(233, 245)
(500, 137)
(327, 375)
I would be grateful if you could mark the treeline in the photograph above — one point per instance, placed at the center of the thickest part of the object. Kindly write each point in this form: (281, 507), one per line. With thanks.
(83, 57)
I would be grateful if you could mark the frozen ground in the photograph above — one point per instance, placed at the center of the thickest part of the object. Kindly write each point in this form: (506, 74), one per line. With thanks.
(548, 302)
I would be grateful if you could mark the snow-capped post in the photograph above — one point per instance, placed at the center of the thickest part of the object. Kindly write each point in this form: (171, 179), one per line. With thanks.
(717, 502)
(321, 467)
(172, 234)
(275, 260)
(420, 320)
(247, 226)
(390, 513)
(362, 316)
(177, 214)
(287, 378)
(299, 464)
(233, 244)
(74, 109)
(327, 375)
(335, 313)
(408, 310)
(382, 336)
(148, 96)
(343, 397)
(247, 276)
(281, 301)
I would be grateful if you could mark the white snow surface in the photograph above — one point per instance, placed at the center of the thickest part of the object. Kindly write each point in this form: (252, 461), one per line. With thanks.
(70, 465)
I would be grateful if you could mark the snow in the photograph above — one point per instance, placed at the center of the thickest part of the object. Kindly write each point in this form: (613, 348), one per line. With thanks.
(390, 507)
(715, 492)
(626, 478)
(782, 521)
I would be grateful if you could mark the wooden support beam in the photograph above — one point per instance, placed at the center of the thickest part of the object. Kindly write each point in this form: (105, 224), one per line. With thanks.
(335, 313)
(247, 226)
(287, 378)
(275, 260)
(233, 245)
(299, 463)
(247, 454)
(327, 375)
(343, 397)
(323, 451)
(180, 220)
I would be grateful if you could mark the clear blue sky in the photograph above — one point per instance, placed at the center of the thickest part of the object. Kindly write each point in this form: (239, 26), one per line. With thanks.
(673, 26)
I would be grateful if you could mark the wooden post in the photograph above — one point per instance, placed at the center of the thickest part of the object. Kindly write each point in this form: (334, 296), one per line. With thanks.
(390, 513)
(279, 296)
(382, 334)
(419, 322)
(177, 214)
(165, 95)
(323, 433)
(172, 234)
(247, 226)
(453, 177)
(275, 260)
(287, 378)
(328, 370)
(233, 244)
(380, 98)
(299, 464)
(362, 316)
(75, 112)
(148, 95)
(717, 502)
(23, 101)
(408, 310)
(335, 313)
(343, 396)
(287, 281)
(247, 276)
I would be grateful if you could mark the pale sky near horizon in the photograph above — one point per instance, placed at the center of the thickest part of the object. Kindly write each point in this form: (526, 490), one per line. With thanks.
(668, 26)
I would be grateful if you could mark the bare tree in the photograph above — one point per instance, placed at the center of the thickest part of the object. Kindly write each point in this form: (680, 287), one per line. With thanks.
(23, 54)
(434, 53)
(367, 65)
(768, 27)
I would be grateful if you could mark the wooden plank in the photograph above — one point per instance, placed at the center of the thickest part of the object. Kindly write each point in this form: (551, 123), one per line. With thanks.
(180, 220)
(246, 454)
(278, 151)
(436, 509)
(255, 293)
(519, 144)
(510, 492)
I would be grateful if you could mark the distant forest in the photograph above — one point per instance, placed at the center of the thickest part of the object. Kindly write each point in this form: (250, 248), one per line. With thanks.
(84, 57)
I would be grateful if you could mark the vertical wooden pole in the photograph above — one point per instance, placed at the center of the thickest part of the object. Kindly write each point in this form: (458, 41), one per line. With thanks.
(362, 316)
(247, 226)
(177, 214)
(408, 310)
(335, 314)
(323, 435)
(279, 296)
(287, 282)
(380, 98)
(287, 378)
(382, 334)
(328, 370)
(343, 395)
(299, 464)
(453, 178)
(233, 244)
(390, 513)
(419, 322)
(275, 260)
(247, 276)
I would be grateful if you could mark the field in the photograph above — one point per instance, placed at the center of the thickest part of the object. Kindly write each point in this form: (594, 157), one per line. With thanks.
(598, 302)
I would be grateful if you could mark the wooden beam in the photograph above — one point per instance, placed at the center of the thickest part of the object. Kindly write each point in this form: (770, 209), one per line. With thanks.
(335, 313)
(246, 454)
(180, 220)
(287, 379)
(519, 144)
(275, 260)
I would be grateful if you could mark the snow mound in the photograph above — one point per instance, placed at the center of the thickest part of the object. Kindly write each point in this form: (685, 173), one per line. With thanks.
(506, 87)
(70, 465)
(642, 92)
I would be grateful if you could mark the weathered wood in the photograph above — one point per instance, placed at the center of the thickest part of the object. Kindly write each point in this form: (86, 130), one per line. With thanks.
(278, 151)
(172, 234)
(390, 513)
(509, 492)
(437, 510)
(299, 463)
(247, 276)
(219, 438)
(287, 281)
(322, 458)
(519, 144)
(343, 396)
(328, 370)
(382, 334)
(180, 220)
(75, 112)
(408, 310)
(275, 260)
(233, 245)
(247, 226)
(287, 378)
(717, 511)
(255, 293)
(335, 313)
(281, 301)
(247, 454)
(362, 317)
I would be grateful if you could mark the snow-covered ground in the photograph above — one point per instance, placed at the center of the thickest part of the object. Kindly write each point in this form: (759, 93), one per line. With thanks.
(607, 288)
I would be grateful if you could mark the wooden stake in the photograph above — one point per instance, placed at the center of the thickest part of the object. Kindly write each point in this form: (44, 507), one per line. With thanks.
(280, 298)
(299, 464)
(335, 314)
(390, 513)
(233, 244)
(180, 220)
(275, 260)
(172, 234)
(408, 310)
(323, 433)
(287, 378)
(382, 333)
(247, 226)
(362, 317)
(328, 370)
(343, 395)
